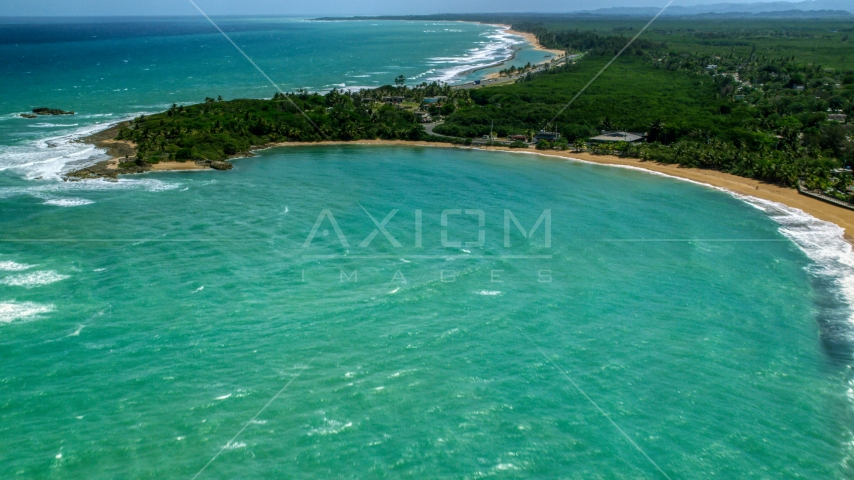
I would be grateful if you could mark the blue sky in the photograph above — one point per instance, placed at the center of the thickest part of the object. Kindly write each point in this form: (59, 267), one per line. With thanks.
(313, 7)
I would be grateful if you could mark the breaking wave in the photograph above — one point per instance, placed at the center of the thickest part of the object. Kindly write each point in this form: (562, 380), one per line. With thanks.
(12, 311)
(34, 279)
(498, 47)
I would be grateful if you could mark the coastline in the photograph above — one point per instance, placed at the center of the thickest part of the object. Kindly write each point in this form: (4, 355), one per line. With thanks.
(529, 38)
(732, 183)
(720, 180)
(532, 39)
(789, 197)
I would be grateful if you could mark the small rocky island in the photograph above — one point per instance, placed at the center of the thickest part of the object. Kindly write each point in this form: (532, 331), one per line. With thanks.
(45, 111)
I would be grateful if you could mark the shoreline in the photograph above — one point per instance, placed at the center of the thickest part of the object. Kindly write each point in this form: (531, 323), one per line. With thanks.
(531, 40)
(711, 178)
(731, 183)
(790, 197)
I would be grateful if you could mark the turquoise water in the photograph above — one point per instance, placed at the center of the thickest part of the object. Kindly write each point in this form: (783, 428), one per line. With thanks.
(152, 325)
(116, 69)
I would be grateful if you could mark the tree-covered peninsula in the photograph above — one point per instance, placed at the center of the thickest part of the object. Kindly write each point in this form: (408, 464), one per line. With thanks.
(217, 129)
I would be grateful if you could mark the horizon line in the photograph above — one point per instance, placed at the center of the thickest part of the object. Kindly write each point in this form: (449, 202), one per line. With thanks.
(376, 15)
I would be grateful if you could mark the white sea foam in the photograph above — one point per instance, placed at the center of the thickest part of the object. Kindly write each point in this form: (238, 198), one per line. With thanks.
(496, 49)
(12, 311)
(34, 279)
(50, 157)
(822, 242)
(68, 202)
(53, 192)
(234, 446)
(330, 427)
(224, 397)
(488, 293)
(505, 466)
(77, 332)
(8, 266)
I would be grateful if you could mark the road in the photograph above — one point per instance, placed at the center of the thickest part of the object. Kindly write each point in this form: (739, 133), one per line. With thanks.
(430, 126)
(475, 141)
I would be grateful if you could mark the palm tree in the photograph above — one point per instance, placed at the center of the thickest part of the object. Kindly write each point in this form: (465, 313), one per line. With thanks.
(607, 125)
(656, 130)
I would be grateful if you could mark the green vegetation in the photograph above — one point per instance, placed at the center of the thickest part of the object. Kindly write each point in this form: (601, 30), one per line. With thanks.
(760, 98)
(217, 129)
(720, 95)
(509, 72)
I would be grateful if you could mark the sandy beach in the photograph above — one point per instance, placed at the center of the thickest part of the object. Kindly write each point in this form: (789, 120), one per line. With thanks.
(744, 186)
(177, 166)
(532, 39)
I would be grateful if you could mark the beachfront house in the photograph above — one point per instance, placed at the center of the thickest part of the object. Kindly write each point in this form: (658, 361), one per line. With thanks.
(393, 99)
(629, 137)
(837, 117)
(439, 99)
(548, 136)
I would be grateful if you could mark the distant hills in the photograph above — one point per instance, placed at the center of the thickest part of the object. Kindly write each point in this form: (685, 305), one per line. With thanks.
(835, 9)
(808, 8)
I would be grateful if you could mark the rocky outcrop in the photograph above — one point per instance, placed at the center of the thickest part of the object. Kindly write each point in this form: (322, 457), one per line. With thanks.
(109, 169)
(124, 160)
(45, 111)
(221, 165)
(50, 111)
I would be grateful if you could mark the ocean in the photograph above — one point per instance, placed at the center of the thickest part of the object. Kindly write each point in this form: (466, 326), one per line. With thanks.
(385, 312)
